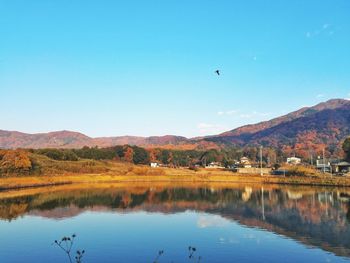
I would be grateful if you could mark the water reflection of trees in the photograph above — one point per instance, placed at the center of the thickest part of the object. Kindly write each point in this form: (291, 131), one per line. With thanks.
(312, 216)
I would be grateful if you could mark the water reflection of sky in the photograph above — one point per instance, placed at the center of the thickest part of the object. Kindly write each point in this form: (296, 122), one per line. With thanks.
(137, 236)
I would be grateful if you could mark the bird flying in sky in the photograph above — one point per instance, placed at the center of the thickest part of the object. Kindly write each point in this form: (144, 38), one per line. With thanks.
(217, 72)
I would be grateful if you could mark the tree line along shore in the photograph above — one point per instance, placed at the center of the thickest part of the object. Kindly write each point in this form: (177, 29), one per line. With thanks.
(28, 161)
(42, 167)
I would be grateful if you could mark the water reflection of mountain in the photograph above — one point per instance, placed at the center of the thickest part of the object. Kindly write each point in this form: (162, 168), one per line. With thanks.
(312, 216)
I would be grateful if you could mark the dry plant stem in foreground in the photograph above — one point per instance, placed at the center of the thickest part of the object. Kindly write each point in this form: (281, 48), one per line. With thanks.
(66, 244)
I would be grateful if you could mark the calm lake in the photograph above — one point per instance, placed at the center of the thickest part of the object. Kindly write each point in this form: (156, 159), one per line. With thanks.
(115, 223)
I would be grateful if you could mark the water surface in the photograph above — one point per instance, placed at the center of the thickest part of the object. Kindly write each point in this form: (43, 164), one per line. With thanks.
(130, 224)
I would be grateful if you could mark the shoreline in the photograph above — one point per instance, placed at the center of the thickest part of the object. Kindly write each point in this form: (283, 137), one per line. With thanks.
(23, 182)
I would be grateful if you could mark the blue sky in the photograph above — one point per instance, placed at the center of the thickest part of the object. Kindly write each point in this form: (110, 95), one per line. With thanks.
(136, 67)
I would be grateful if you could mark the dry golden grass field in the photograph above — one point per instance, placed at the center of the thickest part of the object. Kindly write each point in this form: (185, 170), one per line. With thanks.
(91, 172)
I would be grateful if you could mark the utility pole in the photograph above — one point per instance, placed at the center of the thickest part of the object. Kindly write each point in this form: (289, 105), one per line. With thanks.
(324, 162)
(261, 171)
(311, 158)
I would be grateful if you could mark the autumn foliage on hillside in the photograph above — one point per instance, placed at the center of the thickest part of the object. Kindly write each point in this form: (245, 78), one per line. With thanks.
(14, 161)
(169, 157)
(94, 159)
(346, 148)
(303, 133)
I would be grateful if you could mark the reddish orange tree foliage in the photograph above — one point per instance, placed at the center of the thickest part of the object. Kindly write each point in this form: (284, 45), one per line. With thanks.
(128, 154)
(14, 161)
(153, 155)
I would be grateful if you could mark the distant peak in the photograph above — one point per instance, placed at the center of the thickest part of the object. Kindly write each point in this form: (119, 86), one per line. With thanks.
(331, 104)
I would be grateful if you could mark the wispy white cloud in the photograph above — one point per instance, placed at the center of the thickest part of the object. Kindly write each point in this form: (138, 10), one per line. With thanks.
(230, 112)
(209, 128)
(325, 29)
(252, 55)
(232, 118)
(348, 97)
(244, 115)
(254, 114)
(320, 96)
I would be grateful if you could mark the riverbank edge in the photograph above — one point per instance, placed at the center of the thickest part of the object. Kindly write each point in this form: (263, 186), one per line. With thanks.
(12, 183)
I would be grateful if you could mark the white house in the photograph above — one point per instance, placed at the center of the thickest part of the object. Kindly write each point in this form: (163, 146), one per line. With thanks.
(244, 162)
(215, 165)
(323, 165)
(293, 160)
(154, 165)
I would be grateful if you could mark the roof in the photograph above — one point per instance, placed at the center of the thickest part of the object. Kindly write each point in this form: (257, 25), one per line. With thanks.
(343, 164)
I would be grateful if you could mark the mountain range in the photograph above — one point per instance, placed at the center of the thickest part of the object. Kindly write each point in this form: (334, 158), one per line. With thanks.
(309, 128)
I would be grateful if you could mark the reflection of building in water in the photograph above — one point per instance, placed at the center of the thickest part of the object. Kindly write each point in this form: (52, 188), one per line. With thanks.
(247, 194)
(343, 197)
(325, 197)
(294, 195)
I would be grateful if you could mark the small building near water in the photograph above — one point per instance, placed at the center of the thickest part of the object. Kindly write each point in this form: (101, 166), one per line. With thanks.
(323, 165)
(215, 165)
(245, 162)
(293, 160)
(341, 167)
(153, 165)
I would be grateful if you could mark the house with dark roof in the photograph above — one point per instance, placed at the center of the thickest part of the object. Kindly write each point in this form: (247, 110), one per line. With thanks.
(341, 167)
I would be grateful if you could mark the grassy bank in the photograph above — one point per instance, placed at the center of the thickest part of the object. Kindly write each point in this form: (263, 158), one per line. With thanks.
(48, 172)
(126, 173)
